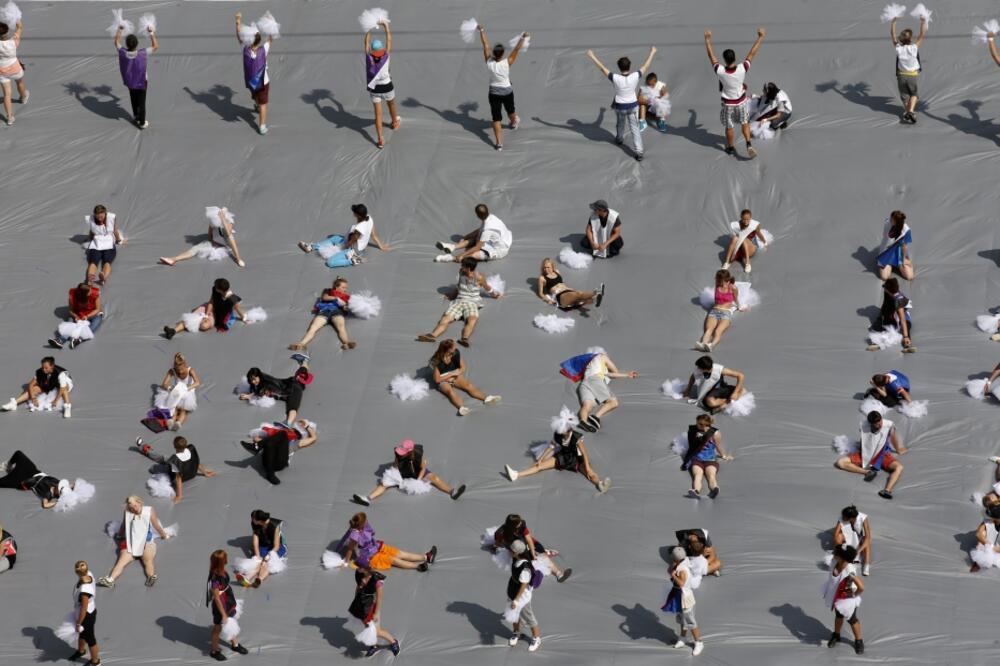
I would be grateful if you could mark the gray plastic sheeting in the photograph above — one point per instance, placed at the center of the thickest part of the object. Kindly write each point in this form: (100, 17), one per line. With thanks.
(823, 188)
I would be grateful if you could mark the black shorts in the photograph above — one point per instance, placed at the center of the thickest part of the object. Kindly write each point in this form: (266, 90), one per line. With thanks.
(723, 391)
(498, 102)
(850, 620)
(87, 635)
(216, 615)
(101, 256)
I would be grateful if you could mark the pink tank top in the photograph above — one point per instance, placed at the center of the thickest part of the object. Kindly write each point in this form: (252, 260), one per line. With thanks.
(724, 297)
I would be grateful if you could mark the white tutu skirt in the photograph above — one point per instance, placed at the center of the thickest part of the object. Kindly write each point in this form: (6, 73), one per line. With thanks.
(847, 607)
(511, 615)
(192, 320)
(179, 397)
(407, 388)
(46, 402)
(976, 389)
(985, 556)
(211, 251)
(680, 445)
(391, 478)
(744, 406)
(887, 339)
(262, 401)
(76, 330)
(250, 566)
(553, 323)
(673, 388)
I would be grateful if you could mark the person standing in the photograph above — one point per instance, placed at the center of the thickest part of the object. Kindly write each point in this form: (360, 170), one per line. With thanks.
(842, 593)
(680, 600)
(380, 88)
(134, 63)
(11, 68)
(501, 92)
(85, 611)
(366, 606)
(221, 598)
(908, 67)
(255, 72)
(735, 108)
(519, 592)
(626, 103)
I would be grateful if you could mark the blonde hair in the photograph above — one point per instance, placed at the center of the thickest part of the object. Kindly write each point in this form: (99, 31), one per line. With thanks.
(180, 363)
(545, 261)
(133, 498)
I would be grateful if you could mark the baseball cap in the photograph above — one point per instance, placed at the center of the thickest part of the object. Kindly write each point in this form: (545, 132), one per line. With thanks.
(517, 547)
(600, 204)
(378, 48)
(405, 447)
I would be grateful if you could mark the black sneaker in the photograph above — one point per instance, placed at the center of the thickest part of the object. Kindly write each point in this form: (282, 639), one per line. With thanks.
(586, 426)
(76, 655)
(885, 494)
(217, 655)
(239, 649)
(870, 475)
(457, 492)
(730, 150)
(372, 651)
(834, 639)
(169, 334)
(362, 500)
(422, 567)
(859, 646)
(713, 493)
(73, 343)
(638, 157)
(431, 554)
(274, 480)
(394, 648)
(595, 422)
(251, 447)
(565, 575)
(783, 125)
(600, 296)
(53, 342)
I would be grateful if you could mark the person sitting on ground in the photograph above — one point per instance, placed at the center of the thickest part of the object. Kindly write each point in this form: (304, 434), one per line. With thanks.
(515, 529)
(890, 388)
(330, 308)
(219, 220)
(50, 385)
(988, 538)
(894, 313)
(84, 306)
(594, 371)
(748, 237)
(492, 240)
(773, 107)
(408, 466)
(367, 551)
(719, 318)
(567, 452)
(703, 454)
(176, 392)
(22, 474)
(134, 541)
(340, 251)
(878, 442)
(448, 376)
(691, 539)
(220, 312)
(894, 251)
(277, 443)
(8, 550)
(184, 464)
(659, 88)
(554, 291)
(267, 541)
(707, 387)
(603, 236)
(854, 530)
(101, 244)
(465, 303)
(289, 389)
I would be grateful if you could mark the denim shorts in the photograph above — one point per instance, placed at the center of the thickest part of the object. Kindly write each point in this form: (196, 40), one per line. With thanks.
(721, 315)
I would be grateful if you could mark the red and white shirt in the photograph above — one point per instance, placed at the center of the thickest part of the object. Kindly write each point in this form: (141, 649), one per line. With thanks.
(731, 82)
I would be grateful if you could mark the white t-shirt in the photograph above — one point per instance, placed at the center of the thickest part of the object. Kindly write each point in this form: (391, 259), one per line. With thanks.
(524, 576)
(780, 102)
(495, 232)
(104, 234)
(625, 85)
(267, 67)
(906, 58)
(8, 55)
(499, 73)
(364, 230)
(597, 368)
(182, 456)
(657, 89)
(733, 89)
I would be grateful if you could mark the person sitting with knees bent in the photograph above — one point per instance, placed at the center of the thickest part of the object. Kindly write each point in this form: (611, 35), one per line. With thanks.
(465, 303)
(854, 530)
(84, 306)
(603, 236)
(330, 308)
(408, 467)
(448, 375)
(703, 454)
(890, 388)
(707, 387)
(878, 442)
(134, 540)
(50, 385)
(748, 237)
(289, 389)
(659, 89)
(492, 240)
(554, 291)
(340, 251)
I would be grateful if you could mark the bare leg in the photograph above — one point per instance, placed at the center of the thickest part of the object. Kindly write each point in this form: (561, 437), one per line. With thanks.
(181, 417)
(884, 273)
(470, 388)
(609, 406)
(719, 330)
(263, 114)
(588, 471)
(149, 560)
(378, 491)
(315, 325)
(22, 89)
(710, 324)
(845, 464)
(911, 104)
(231, 242)
(382, 633)
(393, 116)
(442, 325)
(745, 128)
(585, 408)
(542, 466)
(436, 481)
(731, 250)
(696, 476)
(124, 559)
(214, 642)
(340, 326)
(8, 103)
(452, 395)
(710, 475)
(749, 249)
(906, 270)
(91, 272)
(469, 327)
(105, 272)
(895, 472)
(183, 256)
(730, 137)
(378, 123)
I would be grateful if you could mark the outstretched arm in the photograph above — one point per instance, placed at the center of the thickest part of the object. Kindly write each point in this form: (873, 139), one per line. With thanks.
(756, 45)
(892, 32)
(484, 41)
(118, 38)
(923, 32)
(708, 48)
(368, 40)
(993, 48)
(239, 17)
(649, 59)
(517, 48)
(388, 36)
(600, 65)
(153, 42)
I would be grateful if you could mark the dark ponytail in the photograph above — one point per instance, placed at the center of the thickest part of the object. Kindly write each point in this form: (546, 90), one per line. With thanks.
(260, 516)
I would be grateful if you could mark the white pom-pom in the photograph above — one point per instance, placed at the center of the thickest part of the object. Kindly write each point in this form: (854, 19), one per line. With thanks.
(159, 485)
(332, 560)
(327, 250)
(921, 12)
(231, 628)
(212, 213)
(985, 556)
(762, 130)
(248, 34)
(892, 11)
(406, 387)
(147, 24)
(170, 531)
(254, 315)
(76, 330)
(247, 566)
(870, 404)
(768, 237)
(977, 498)
(828, 559)
(749, 298)
(118, 21)
(674, 388)
(886, 339)
(364, 305)
(210, 251)
(516, 38)
(979, 35)
(661, 106)
(10, 14)
(268, 27)
(368, 636)
(275, 564)
(192, 321)
(916, 409)
(496, 283)
(111, 528)
(742, 407)
(553, 323)
(707, 298)
(564, 422)
(66, 631)
(976, 388)
(468, 30)
(845, 446)
(81, 493)
(371, 18)
(987, 323)
(415, 486)
(572, 259)
(680, 445)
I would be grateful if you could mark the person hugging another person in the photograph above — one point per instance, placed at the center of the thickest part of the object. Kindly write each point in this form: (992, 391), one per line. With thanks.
(330, 308)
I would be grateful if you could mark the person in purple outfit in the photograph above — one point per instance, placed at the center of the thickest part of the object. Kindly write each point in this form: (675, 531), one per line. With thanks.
(133, 63)
(380, 87)
(255, 72)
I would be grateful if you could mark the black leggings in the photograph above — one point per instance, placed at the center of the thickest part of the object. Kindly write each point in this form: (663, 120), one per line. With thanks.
(87, 635)
(19, 469)
(498, 102)
(138, 99)
(274, 452)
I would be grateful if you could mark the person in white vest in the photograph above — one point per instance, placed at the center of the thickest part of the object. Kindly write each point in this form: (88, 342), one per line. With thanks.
(878, 442)
(854, 530)
(680, 600)
(908, 67)
(134, 541)
(492, 240)
(748, 237)
(85, 614)
(707, 387)
(604, 231)
(842, 594)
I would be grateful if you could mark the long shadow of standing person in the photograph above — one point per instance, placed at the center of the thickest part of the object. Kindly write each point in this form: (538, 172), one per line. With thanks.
(220, 100)
(639, 622)
(462, 117)
(696, 133)
(102, 102)
(807, 629)
(590, 131)
(859, 93)
(336, 114)
(483, 620)
(974, 124)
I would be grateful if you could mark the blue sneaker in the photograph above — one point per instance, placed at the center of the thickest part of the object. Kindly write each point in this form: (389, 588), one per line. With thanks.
(642, 125)
(395, 648)
(661, 125)
(300, 358)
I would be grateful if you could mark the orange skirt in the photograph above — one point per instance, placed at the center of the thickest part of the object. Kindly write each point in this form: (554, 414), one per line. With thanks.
(384, 557)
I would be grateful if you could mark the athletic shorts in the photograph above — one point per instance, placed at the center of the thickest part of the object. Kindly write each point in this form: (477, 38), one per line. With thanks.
(594, 389)
(500, 103)
(492, 251)
(260, 95)
(462, 310)
(887, 459)
(731, 115)
(907, 85)
(87, 635)
(383, 558)
(101, 256)
(527, 617)
(387, 96)
(7, 78)
(687, 620)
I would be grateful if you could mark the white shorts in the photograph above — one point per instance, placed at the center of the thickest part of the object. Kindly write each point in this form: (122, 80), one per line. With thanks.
(497, 251)
(7, 78)
(65, 381)
(382, 97)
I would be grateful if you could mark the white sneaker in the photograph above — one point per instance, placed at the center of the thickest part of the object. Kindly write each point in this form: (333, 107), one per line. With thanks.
(512, 641)
(747, 269)
(491, 399)
(67, 410)
(263, 129)
(708, 346)
(10, 406)
(534, 644)
(145, 125)
(866, 570)
(441, 258)
(3, 467)
(725, 266)
(511, 472)
(603, 486)
(463, 410)
(27, 94)
(699, 647)
(446, 247)
(680, 644)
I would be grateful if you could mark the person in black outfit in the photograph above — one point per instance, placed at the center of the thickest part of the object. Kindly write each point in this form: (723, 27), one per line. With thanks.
(894, 313)
(49, 377)
(220, 312)
(366, 606)
(22, 474)
(275, 443)
(184, 465)
(268, 545)
(219, 595)
(85, 615)
(515, 529)
(289, 389)
(8, 550)
(565, 452)
(409, 463)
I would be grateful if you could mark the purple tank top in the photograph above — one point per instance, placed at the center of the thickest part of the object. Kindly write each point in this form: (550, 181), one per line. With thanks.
(133, 69)
(373, 66)
(367, 546)
(254, 67)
